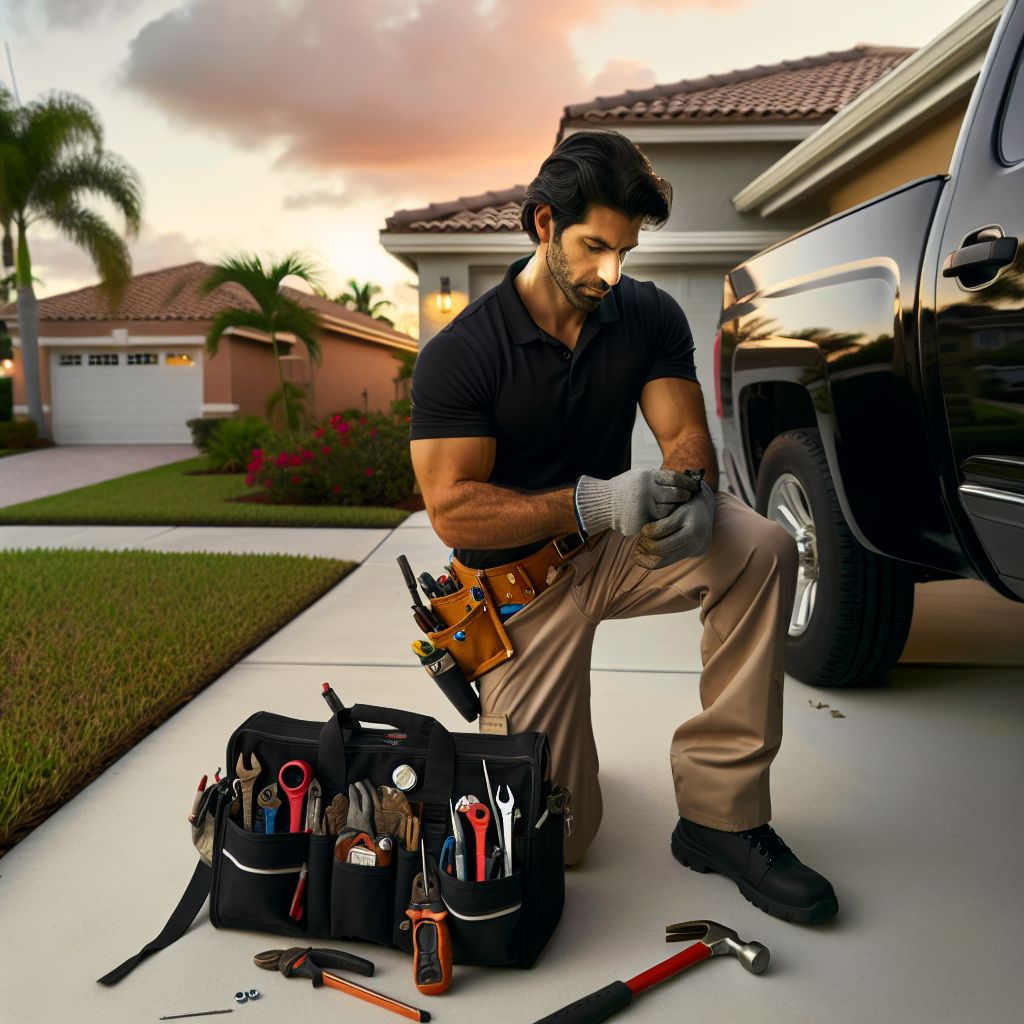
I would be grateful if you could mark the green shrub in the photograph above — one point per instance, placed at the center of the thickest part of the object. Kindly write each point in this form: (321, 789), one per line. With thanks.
(362, 460)
(202, 429)
(19, 434)
(6, 399)
(232, 444)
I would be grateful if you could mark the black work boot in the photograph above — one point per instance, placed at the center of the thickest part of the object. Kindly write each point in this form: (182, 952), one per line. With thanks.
(762, 865)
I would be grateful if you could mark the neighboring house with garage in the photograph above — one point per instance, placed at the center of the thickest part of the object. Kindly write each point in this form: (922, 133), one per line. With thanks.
(753, 156)
(137, 375)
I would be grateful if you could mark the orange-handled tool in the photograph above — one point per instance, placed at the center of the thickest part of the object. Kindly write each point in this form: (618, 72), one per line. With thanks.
(432, 948)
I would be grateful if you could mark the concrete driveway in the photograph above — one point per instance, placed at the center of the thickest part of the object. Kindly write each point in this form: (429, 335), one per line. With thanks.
(909, 803)
(45, 471)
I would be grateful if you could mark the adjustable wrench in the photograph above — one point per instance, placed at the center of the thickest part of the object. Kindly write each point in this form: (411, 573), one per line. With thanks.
(248, 777)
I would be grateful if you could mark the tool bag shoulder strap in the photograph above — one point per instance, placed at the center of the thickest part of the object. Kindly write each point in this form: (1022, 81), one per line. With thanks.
(178, 923)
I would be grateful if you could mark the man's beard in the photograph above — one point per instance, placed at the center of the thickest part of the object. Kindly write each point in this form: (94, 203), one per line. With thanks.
(561, 274)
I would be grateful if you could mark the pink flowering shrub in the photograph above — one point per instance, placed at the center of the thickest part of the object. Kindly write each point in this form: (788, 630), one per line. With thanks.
(359, 460)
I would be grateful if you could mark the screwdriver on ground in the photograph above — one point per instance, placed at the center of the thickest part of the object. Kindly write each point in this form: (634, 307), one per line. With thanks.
(432, 949)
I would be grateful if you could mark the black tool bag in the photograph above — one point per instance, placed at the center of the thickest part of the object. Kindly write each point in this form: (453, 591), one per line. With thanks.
(252, 877)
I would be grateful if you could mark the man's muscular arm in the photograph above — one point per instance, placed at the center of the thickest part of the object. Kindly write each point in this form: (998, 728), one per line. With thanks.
(674, 410)
(466, 512)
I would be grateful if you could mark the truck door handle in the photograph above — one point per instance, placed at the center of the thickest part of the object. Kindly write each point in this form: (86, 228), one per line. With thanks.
(980, 260)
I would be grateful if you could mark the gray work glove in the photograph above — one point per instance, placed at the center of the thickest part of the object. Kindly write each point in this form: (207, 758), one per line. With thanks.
(363, 805)
(683, 533)
(630, 500)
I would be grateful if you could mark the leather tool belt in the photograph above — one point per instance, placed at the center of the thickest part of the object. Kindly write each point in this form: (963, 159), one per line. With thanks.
(475, 635)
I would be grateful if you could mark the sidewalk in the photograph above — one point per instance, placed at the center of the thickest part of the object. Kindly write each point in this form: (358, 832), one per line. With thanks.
(46, 471)
(902, 803)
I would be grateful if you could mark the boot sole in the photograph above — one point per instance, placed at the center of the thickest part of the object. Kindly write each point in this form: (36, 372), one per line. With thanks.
(814, 914)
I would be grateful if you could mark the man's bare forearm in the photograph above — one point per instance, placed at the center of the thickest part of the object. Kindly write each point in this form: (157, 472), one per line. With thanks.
(692, 452)
(479, 515)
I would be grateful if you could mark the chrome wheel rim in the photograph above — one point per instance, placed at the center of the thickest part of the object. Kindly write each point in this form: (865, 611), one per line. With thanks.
(788, 506)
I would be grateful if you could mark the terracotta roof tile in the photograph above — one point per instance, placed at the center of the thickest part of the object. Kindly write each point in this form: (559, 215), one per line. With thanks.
(489, 211)
(811, 89)
(173, 294)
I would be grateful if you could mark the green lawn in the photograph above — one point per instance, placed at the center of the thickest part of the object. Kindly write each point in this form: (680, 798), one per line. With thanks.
(98, 647)
(11, 451)
(167, 496)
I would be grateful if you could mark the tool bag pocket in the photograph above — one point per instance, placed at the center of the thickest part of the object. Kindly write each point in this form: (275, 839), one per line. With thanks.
(255, 878)
(407, 866)
(362, 902)
(475, 636)
(484, 919)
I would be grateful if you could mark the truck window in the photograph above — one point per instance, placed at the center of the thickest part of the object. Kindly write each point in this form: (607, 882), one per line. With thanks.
(1011, 140)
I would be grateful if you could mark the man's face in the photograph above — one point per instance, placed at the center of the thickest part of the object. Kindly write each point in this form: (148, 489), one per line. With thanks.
(587, 260)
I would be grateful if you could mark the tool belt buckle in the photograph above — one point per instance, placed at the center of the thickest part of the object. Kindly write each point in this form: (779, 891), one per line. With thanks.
(567, 545)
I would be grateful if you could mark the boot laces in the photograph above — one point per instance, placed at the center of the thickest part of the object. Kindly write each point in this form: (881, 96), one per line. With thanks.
(767, 842)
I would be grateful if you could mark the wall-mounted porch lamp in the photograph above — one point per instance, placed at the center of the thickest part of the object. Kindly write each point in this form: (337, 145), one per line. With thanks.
(444, 296)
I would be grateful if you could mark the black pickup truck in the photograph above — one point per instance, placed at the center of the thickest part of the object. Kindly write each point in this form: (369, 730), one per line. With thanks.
(871, 389)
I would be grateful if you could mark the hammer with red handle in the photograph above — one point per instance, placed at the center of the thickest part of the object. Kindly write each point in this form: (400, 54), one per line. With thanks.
(713, 940)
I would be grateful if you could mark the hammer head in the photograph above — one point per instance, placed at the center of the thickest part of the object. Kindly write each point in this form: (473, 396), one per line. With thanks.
(721, 941)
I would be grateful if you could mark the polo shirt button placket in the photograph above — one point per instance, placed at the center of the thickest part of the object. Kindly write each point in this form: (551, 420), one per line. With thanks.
(567, 354)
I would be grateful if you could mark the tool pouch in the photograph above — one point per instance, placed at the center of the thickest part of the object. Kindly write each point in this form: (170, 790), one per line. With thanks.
(475, 636)
(253, 877)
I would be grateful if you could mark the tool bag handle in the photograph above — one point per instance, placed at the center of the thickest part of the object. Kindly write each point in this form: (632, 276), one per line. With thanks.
(440, 769)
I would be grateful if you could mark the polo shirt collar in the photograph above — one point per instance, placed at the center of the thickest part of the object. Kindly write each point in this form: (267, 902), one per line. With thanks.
(521, 325)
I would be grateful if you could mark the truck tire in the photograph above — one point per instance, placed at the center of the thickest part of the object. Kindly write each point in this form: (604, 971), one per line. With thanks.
(857, 605)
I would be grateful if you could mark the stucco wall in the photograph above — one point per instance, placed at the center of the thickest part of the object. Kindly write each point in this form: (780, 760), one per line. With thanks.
(705, 177)
(349, 366)
(924, 151)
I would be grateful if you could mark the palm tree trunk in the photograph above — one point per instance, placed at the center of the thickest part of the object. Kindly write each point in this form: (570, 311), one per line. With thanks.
(28, 333)
(280, 377)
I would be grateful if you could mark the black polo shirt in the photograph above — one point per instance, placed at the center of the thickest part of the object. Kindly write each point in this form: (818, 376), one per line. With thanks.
(554, 412)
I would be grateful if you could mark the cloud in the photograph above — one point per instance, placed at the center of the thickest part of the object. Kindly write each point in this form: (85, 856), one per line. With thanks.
(398, 93)
(317, 197)
(619, 75)
(69, 13)
(61, 265)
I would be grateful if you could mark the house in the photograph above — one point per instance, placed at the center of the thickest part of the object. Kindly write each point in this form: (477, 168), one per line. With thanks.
(138, 375)
(710, 137)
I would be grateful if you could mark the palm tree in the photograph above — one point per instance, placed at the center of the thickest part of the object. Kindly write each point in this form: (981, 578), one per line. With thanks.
(276, 313)
(51, 158)
(359, 298)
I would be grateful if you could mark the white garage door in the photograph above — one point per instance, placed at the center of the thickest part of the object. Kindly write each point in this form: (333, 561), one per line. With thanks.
(125, 397)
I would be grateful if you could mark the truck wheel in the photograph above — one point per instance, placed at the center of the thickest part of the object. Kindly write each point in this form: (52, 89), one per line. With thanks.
(853, 608)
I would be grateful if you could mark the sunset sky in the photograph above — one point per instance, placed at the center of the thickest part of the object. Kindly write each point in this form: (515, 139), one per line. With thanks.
(273, 125)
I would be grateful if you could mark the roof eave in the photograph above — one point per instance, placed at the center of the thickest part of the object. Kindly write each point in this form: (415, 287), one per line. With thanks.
(939, 73)
(724, 130)
(406, 244)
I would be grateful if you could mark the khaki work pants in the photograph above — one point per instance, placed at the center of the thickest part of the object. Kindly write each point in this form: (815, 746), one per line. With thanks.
(744, 586)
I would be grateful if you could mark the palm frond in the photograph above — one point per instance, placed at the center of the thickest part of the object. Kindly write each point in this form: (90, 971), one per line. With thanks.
(107, 249)
(296, 265)
(302, 321)
(101, 174)
(233, 317)
(245, 270)
(59, 122)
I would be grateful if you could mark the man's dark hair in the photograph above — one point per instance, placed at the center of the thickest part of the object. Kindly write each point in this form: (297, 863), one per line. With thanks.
(596, 168)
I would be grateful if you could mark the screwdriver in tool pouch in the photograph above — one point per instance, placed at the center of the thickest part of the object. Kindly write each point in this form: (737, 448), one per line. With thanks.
(425, 618)
(432, 949)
